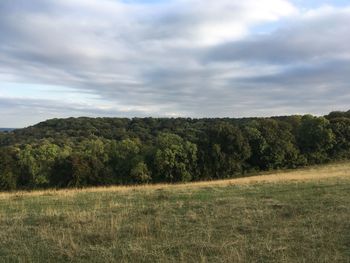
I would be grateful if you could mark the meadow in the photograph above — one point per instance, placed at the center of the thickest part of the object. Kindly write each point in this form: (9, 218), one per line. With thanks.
(294, 216)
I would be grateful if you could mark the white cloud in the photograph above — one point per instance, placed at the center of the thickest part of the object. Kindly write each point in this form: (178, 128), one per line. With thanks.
(147, 59)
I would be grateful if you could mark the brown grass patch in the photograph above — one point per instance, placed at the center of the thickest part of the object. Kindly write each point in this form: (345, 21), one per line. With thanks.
(304, 174)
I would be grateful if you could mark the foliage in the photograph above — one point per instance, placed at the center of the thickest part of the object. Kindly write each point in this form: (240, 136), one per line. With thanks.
(79, 152)
(140, 173)
(8, 169)
(175, 158)
(226, 149)
(315, 138)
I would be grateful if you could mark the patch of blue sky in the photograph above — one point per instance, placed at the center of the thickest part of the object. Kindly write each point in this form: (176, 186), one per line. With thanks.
(311, 4)
(302, 5)
(145, 1)
(45, 92)
(266, 28)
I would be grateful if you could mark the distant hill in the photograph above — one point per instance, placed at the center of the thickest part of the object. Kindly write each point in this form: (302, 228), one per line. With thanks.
(80, 152)
(6, 129)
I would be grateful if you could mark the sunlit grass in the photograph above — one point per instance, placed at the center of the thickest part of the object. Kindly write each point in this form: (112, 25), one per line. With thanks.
(305, 174)
(294, 216)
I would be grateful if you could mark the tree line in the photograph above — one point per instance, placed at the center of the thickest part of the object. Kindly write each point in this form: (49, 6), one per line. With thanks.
(80, 152)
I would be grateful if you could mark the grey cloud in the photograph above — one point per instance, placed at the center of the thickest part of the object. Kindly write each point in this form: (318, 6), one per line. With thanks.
(311, 38)
(313, 88)
(24, 112)
(331, 73)
(147, 60)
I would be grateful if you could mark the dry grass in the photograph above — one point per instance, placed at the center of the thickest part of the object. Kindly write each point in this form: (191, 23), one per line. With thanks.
(305, 174)
(295, 216)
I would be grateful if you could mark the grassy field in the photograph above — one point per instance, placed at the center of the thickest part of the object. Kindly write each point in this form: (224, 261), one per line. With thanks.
(296, 216)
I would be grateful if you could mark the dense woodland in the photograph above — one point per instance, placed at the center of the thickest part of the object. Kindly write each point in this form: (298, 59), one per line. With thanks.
(79, 152)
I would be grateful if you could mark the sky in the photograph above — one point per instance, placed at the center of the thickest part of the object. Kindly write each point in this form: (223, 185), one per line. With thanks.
(175, 58)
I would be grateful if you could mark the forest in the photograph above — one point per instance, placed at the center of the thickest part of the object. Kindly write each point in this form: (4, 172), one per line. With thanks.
(81, 152)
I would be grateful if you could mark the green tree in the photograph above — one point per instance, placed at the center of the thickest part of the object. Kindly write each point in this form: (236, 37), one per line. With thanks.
(140, 173)
(175, 159)
(8, 168)
(341, 130)
(36, 162)
(226, 150)
(315, 138)
(272, 144)
(125, 155)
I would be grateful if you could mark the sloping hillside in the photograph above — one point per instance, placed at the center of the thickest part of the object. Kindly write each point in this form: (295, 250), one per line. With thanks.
(298, 216)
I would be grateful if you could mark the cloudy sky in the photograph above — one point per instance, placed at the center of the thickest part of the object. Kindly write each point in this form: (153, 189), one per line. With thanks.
(187, 58)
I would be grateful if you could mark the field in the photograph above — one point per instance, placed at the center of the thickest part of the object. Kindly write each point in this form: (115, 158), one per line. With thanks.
(294, 216)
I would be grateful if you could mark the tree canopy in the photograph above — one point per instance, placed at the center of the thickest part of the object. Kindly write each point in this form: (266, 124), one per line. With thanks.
(80, 152)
